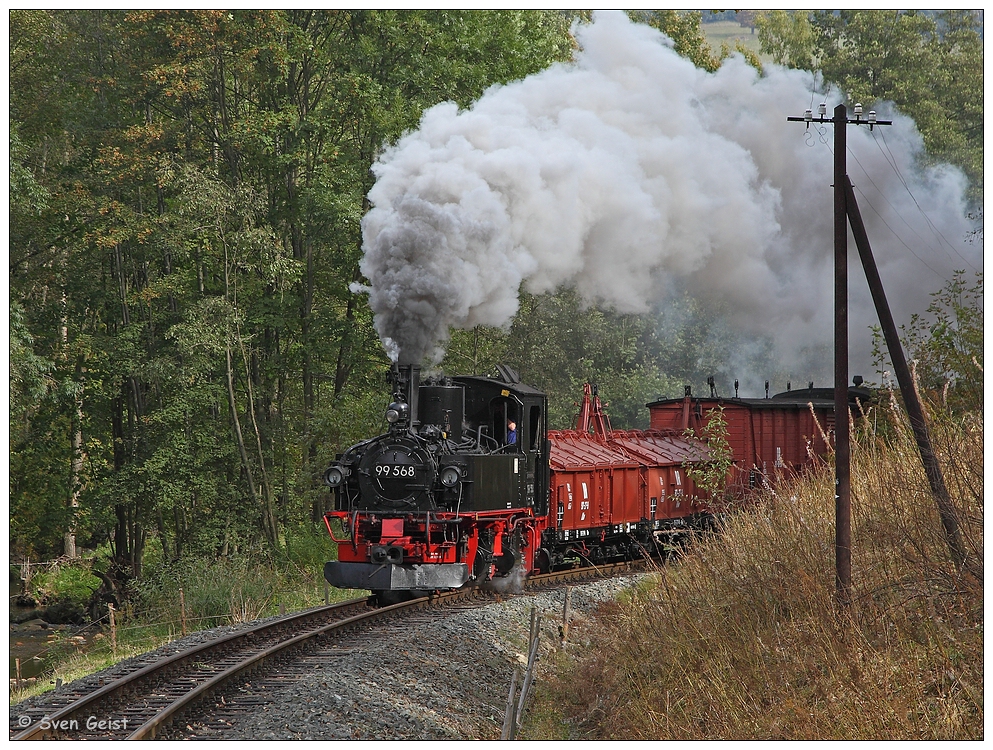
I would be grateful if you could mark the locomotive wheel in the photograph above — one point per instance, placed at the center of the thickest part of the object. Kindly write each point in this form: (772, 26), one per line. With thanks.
(511, 557)
(482, 565)
(543, 561)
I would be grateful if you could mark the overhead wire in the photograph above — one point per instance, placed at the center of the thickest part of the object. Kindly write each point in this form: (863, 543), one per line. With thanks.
(891, 160)
(886, 223)
(902, 242)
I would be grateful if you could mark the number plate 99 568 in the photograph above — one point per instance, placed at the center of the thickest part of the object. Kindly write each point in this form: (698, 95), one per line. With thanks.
(395, 471)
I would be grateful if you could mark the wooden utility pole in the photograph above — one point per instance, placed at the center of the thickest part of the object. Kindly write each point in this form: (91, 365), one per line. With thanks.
(842, 419)
(842, 450)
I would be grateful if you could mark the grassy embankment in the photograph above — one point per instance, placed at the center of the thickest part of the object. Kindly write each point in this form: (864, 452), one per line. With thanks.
(223, 591)
(742, 639)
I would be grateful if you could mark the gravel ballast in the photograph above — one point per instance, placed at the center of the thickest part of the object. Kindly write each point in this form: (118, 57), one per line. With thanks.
(450, 681)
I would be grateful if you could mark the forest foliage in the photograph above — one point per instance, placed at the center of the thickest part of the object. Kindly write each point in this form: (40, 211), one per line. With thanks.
(186, 191)
(930, 64)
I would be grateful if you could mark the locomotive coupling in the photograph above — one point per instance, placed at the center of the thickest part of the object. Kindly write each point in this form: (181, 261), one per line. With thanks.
(381, 555)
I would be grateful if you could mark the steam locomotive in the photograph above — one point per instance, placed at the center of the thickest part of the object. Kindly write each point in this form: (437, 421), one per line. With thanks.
(448, 496)
(441, 498)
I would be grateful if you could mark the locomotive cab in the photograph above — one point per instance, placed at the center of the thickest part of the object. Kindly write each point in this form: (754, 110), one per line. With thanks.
(442, 499)
(507, 475)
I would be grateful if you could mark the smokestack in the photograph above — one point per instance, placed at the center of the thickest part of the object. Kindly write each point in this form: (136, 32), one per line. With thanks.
(406, 381)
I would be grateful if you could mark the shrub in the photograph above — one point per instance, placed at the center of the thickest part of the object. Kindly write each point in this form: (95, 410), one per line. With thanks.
(64, 582)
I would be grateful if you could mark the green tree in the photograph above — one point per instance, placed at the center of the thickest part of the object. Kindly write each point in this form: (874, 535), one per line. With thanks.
(788, 36)
(710, 476)
(930, 64)
(187, 191)
(557, 343)
(945, 345)
(685, 30)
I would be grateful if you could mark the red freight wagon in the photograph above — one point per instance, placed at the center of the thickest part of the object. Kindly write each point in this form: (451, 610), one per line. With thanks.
(668, 492)
(593, 486)
(767, 436)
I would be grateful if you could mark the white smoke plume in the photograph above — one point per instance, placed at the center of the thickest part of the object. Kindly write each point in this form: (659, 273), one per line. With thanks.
(628, 172)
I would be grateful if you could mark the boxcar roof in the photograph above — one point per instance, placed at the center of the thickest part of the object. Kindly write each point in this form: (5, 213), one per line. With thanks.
(796, 399)
(655, 448)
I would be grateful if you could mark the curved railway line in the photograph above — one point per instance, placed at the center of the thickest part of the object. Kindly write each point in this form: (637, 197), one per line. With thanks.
(200, 685)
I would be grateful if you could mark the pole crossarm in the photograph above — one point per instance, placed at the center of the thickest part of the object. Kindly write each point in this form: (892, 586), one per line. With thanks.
(871, 120)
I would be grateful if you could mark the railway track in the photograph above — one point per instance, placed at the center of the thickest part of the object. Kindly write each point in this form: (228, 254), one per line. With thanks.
(202, 689)
(130, 702)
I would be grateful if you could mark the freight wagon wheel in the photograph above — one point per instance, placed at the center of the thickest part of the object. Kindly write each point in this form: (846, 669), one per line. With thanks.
(597, 556)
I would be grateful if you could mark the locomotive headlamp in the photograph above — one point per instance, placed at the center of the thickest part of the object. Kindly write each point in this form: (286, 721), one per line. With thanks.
(334, 476)
(450, 476)
(396, 411)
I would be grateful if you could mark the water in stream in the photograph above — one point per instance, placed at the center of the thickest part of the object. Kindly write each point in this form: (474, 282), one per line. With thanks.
(40, 645)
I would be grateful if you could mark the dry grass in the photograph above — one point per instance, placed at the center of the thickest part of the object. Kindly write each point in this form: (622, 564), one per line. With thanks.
(743, 639)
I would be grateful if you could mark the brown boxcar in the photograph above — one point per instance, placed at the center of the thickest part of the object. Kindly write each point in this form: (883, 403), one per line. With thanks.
(768, 436)
(667, 491)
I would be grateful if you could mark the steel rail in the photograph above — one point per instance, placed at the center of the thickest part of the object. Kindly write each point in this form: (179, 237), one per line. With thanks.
(165, 716)
(584, 573)
(46, 726)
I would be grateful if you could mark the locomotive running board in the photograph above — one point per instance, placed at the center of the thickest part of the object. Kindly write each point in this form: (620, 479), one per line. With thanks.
(390, 577)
